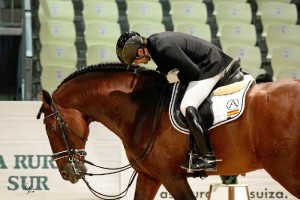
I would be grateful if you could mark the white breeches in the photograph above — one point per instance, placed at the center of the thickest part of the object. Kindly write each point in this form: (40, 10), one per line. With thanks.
(197, 91)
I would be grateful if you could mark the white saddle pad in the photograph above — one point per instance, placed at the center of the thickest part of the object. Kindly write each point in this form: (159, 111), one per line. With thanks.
(226, 107)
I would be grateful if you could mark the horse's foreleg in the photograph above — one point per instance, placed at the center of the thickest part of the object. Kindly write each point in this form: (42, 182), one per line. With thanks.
(179, 188)
(146, 187)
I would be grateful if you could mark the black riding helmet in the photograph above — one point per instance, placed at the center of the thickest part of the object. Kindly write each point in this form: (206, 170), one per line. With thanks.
(127, 46)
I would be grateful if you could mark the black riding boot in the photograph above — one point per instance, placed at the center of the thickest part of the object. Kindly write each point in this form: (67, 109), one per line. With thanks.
(206, 159)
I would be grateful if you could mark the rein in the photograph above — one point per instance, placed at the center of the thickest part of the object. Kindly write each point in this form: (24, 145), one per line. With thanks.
(71, 152)
(155, 127)
(137, 161)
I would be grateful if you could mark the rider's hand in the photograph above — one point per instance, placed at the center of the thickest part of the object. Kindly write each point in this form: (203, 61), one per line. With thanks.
(172, 76)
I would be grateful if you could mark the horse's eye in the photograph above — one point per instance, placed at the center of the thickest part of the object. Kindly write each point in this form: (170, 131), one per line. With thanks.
(51, 129)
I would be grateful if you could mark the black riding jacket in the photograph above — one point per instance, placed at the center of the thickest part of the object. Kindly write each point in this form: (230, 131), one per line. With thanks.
(195, 58)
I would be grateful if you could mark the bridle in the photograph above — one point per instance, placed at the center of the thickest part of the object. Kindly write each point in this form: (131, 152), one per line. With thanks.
(70, 152)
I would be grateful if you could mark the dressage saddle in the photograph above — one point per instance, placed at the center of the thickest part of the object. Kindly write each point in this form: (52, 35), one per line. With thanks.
(232, 75)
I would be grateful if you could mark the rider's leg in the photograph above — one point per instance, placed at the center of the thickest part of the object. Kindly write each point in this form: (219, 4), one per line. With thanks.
(196, 93)
(206, 158)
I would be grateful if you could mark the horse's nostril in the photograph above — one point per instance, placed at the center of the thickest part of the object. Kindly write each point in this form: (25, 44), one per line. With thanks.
(64, 175)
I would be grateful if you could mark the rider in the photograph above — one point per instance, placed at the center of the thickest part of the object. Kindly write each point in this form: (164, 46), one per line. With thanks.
(200, 63)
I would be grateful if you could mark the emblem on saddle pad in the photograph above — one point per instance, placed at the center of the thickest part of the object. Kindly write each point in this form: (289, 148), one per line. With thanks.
(225, 104)
(232, 106)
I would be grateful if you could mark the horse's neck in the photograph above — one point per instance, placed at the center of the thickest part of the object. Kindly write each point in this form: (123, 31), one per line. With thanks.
(127, 106)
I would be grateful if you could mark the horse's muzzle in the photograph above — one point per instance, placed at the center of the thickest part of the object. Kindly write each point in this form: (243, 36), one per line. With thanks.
(68, 172)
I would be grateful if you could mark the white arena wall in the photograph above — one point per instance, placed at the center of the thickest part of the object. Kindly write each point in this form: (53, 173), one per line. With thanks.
(25, 162)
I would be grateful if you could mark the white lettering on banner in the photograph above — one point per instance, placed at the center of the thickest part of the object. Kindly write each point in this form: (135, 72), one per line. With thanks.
(27, 170)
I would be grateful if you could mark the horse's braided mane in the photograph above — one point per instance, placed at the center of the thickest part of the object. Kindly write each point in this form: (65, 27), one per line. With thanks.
(107, 67)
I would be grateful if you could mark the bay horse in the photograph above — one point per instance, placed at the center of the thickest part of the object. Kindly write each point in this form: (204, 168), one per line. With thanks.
(133, 104)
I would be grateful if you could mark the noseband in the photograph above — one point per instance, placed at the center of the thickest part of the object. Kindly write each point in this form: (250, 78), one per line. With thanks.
(69, 152)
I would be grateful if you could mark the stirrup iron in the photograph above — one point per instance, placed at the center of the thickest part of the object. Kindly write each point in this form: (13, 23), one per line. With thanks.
(189, 170)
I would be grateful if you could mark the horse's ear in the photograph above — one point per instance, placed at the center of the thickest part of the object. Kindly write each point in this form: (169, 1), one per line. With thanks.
(46, 98)
(40, 112)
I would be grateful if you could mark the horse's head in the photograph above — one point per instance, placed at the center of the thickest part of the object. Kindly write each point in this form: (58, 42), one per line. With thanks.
(67, 131)
(97, 93)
